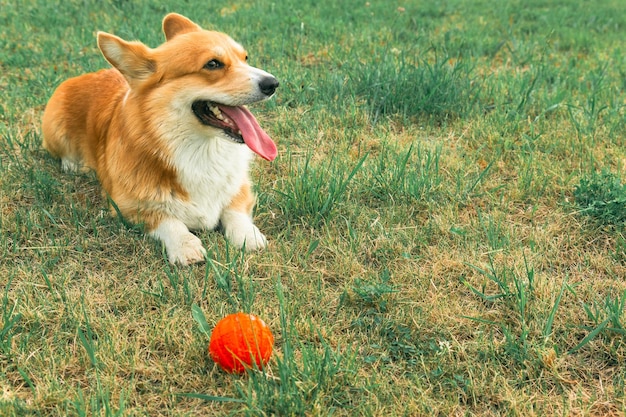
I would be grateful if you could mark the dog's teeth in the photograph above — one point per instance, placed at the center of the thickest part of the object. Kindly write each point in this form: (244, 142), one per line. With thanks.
(216, 111)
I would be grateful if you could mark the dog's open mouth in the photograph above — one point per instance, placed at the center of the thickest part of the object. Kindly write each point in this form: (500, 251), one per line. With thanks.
(210, 114)
(238, 124)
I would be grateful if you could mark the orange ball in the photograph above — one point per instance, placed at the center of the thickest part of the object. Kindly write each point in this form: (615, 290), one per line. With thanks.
(240, 339)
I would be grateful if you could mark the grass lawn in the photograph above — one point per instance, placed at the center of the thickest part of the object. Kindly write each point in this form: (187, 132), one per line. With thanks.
(446, 218)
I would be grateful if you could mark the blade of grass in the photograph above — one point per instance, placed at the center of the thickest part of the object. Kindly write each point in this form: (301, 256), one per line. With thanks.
(590, 336)
(87, 346)
(198, 316)
(547, 328)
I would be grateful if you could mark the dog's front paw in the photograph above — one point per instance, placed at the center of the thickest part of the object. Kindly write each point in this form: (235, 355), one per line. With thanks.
(249, 237)
(188, 251)
(241, 232)
(182, 246)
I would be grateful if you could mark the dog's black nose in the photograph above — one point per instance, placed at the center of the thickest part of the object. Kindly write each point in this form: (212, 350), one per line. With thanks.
(268, 85)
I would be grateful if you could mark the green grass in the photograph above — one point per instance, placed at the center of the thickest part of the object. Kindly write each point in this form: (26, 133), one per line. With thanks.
(603, 197)
(445, 219)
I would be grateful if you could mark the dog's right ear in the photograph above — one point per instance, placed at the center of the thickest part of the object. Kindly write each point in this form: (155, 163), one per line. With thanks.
(132, 59)
(175, 24)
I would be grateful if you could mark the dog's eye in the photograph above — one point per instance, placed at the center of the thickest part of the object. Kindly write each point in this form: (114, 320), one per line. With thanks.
(214, 64)
(246, 58)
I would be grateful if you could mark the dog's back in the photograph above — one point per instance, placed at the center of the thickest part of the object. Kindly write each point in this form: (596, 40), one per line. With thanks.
(78, 116)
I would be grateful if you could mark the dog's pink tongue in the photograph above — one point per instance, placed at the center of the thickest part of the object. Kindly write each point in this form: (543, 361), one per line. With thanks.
(253, 135)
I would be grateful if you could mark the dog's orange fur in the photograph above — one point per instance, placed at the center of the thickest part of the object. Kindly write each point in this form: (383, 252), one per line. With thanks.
(131, 123)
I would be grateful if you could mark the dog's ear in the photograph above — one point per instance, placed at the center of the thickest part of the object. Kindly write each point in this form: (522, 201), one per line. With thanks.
(132, 59)
(175, 24)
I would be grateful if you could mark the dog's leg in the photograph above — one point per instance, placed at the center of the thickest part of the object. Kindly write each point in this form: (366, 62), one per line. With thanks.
(182, 246)
(237, 222)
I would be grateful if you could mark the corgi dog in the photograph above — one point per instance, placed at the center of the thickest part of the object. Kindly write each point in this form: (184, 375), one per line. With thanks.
(167, 132)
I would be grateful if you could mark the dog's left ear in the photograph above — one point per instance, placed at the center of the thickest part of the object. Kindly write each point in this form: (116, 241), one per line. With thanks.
(175, 24)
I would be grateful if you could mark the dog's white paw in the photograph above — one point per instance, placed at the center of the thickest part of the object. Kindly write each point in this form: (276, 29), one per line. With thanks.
(182, 246)
(188, 251)
(241, 232)
(250, 237)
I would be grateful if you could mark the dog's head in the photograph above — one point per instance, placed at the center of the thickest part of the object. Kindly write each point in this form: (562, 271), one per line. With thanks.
(197, 74)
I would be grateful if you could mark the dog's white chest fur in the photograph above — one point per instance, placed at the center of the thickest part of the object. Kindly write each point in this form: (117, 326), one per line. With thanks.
(211, 170)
